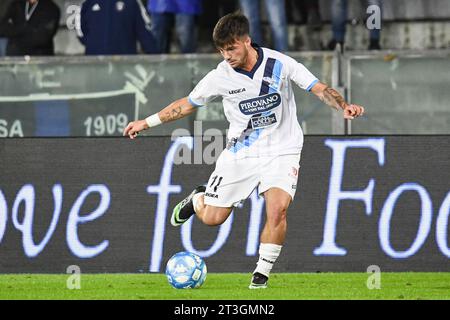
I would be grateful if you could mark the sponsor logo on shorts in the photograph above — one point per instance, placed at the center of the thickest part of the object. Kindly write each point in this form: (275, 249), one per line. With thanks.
(260, 104)
(211, 195)
(294, 187)
(293, 173)
(265, 121)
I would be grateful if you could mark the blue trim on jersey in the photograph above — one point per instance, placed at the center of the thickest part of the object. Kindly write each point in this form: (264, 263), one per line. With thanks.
(251, 73)
(194, 104)
(268, 71)
(312, 85)
(249, 140)
(276, 76)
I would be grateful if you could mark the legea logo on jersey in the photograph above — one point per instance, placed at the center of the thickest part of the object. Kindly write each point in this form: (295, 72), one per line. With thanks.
(236, 91)
(260, 104)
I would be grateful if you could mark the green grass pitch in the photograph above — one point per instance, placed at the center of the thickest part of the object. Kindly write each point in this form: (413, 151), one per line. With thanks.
(228, 286)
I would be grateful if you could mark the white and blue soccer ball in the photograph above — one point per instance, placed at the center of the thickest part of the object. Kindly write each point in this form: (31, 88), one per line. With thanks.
(186, 270)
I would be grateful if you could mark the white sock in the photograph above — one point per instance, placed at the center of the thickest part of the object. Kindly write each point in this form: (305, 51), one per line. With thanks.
(268, 254)
(195, 199)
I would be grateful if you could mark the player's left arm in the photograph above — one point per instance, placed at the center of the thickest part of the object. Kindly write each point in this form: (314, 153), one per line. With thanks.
(335, 100)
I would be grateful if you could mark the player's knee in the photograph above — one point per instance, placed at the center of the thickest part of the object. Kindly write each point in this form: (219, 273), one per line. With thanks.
(278, 208)
(277, 215)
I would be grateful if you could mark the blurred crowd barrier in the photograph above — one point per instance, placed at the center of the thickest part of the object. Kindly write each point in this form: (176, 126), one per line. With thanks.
(403, 93)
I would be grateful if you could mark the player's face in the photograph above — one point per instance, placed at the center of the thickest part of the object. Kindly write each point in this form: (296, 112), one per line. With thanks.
(236, 54)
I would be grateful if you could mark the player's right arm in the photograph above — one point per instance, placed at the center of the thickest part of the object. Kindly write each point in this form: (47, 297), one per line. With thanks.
(174, 111)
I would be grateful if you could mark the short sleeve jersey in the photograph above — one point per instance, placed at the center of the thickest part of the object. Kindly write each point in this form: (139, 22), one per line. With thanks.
(259, 105)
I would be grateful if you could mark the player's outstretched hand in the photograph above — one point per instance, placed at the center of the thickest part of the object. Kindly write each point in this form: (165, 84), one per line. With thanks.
(352, 111)
(133, 128)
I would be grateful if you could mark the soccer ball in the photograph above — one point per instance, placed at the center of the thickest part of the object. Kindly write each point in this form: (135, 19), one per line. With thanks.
(186, 270)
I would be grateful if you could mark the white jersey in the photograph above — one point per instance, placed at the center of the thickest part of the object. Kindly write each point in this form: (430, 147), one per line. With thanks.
(259, 105)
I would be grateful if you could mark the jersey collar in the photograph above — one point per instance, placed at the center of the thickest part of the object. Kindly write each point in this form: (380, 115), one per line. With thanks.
(251, 73)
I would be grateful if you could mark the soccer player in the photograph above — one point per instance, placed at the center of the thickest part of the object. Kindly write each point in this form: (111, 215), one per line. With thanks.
(264, 139)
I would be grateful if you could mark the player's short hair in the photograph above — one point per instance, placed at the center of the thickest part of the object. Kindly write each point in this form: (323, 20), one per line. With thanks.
(229, 28)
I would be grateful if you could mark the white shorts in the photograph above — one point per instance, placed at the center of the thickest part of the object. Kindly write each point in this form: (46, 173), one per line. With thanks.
(233, 180)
